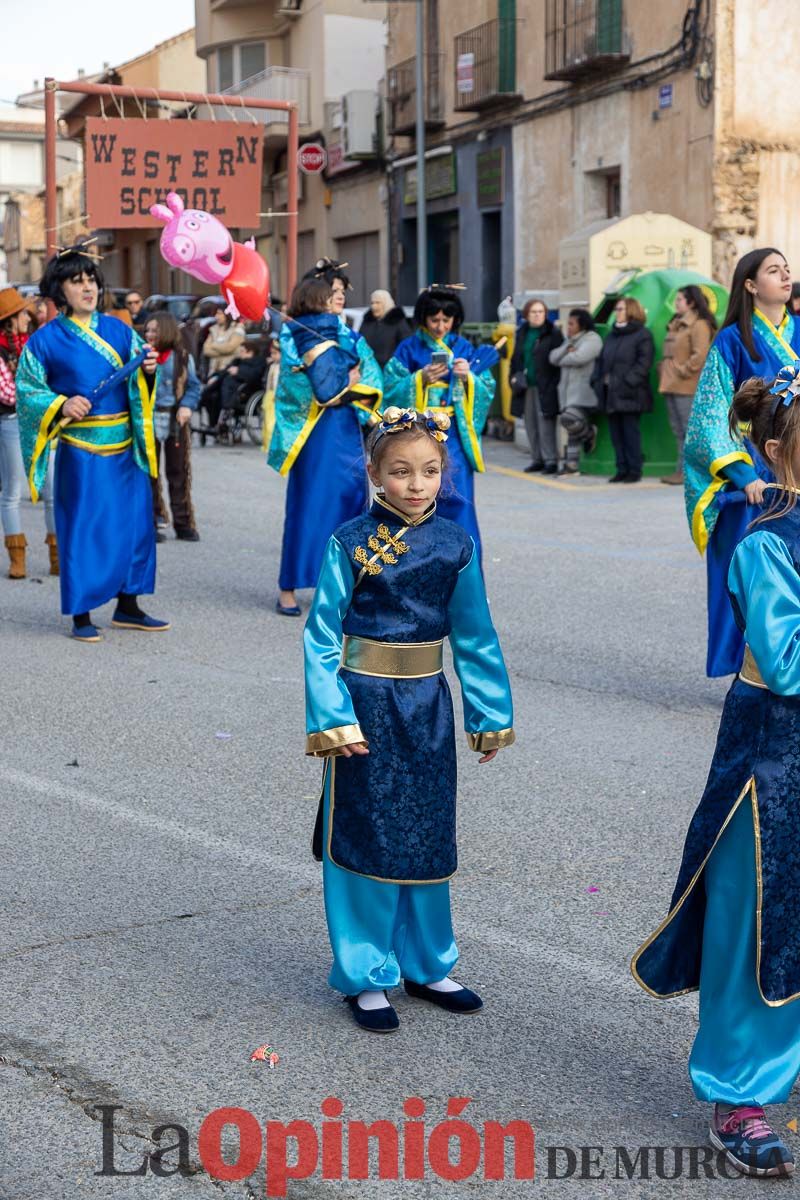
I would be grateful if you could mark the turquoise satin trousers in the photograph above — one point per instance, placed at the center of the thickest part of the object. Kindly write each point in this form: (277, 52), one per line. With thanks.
(383, 932)
(745, 1052)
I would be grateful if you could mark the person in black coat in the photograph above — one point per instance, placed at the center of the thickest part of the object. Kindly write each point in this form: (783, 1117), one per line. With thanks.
(534, 384)
(622, 382)
(384, 327)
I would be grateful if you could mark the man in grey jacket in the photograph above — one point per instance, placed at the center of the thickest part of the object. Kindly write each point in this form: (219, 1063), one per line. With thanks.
(577, 401)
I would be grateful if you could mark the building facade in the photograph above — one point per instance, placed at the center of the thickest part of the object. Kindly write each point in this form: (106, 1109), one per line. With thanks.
(329, 57)
(548, 117)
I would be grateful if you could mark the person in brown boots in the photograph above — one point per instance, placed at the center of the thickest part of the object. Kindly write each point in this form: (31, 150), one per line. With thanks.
(689, 337)
(14, 331)
(177, 396)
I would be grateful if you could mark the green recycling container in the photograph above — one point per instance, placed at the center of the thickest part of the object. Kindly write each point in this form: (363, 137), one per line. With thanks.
(656, 292)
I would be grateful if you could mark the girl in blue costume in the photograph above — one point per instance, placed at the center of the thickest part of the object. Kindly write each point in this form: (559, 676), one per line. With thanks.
(733, 928)
(106, 453)
(395, 582)
(319, 444)
(411, 379)
(724, 476)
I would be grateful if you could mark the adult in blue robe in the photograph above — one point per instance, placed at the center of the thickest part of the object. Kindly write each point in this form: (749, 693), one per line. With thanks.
(719, 465)
(103, 497)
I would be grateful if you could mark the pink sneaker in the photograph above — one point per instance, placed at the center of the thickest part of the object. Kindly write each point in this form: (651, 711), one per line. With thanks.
(749, 1143)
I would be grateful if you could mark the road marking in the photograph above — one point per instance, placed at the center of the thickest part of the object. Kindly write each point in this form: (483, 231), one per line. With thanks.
(549, 482)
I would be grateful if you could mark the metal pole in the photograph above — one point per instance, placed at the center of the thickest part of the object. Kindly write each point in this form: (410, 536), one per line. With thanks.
(422, 215)
(50, 192)
(291, 200)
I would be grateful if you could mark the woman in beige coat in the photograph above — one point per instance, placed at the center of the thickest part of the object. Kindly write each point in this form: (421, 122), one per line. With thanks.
(686, 346)
(219, 349)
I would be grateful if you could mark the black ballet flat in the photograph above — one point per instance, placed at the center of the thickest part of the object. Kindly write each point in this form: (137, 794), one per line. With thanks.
(376, 1020)
(462, 1001)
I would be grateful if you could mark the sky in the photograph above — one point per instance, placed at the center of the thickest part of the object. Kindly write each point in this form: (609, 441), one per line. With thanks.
(49, 37)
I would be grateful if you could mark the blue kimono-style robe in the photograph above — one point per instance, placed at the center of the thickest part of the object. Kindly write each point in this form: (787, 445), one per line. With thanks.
(390, 818)
(103, 496)
(320, 446)
(468, 403)
(718, 466)
(733, 927)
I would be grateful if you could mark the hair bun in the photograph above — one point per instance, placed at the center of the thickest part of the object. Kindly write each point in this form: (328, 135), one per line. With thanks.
(752, 399)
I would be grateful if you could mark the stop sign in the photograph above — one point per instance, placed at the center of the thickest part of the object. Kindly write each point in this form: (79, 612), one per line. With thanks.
(312, 158)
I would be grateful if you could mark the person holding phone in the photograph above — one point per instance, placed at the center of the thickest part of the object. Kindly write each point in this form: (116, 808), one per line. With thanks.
(432, 370)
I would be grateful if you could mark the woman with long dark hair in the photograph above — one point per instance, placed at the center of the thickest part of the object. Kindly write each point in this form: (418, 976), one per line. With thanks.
(622, 383)
(72, 385)
(432, 369)
(689, 337)
(725, 476)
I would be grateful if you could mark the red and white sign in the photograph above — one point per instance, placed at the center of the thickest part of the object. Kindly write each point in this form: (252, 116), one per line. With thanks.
(312, 158)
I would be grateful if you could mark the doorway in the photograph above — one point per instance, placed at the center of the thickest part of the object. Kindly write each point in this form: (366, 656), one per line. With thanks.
(491, 272)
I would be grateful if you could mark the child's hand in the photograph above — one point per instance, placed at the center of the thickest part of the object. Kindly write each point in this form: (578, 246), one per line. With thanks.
(359, 748)
(488, 756)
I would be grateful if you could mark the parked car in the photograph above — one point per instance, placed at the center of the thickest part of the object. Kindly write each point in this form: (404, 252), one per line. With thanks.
(180, 304)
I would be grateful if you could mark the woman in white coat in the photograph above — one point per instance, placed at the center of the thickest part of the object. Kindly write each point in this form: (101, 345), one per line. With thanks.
(577, 401)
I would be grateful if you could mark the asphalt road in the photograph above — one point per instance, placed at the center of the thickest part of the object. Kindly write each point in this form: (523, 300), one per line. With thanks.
(161, 915)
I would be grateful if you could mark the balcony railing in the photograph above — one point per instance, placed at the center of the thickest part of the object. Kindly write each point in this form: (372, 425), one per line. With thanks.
(584, 37)
(486, 66)
(402, 94)
(275, 83)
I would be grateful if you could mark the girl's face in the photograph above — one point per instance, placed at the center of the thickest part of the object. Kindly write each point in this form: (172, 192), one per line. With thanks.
(80, 293)
(409, 473)
(773, 281)
(151, 334)
(620, 313)
(682, 305)
(338, 296)
(573, 328)
(220, 317)
(438, 325)
(21, 322)
(537, 315)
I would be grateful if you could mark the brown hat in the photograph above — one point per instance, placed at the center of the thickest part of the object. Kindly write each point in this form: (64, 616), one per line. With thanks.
(11, 303)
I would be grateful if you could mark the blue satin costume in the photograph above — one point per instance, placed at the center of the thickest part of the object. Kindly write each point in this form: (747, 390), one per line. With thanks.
(321, 448)
(103, 497)
(389, 831)
(734, 923)
(719, 466)
(467, 402)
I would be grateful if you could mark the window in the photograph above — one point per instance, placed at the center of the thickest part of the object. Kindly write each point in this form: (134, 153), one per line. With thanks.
(253, 59)
(613, 193)
(21, 164)
(225, 68)
(235, 64)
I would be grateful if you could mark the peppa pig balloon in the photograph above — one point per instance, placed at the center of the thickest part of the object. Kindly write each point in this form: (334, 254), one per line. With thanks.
(201, 245)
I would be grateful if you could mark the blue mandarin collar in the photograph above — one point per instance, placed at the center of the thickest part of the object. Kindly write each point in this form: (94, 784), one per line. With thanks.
(383, 511)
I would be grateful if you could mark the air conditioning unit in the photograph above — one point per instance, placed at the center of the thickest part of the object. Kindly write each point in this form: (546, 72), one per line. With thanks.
(360, 124)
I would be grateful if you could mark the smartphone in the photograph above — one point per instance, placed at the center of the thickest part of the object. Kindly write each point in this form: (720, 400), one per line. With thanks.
(440, 358)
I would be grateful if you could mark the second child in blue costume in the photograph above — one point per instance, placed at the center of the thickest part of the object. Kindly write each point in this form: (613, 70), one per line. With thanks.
(394, 583)
(412, 379)
(733, 928)
(317, 439)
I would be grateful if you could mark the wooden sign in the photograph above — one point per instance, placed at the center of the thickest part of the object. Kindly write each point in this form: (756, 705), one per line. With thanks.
(214, 165)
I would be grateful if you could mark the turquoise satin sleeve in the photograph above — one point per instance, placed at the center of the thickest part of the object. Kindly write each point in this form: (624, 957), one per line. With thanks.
(477, 656)
(740, 474)
(765, 583)
(328, 702)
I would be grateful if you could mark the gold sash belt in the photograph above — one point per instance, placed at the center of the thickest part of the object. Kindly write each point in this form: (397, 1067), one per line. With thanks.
(392, 660)
(750, 672)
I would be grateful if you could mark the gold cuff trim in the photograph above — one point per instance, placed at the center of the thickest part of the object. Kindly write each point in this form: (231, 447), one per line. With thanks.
(750, 672)
(392, 660)
(330, 741)
(493, 740)
(313, 354)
